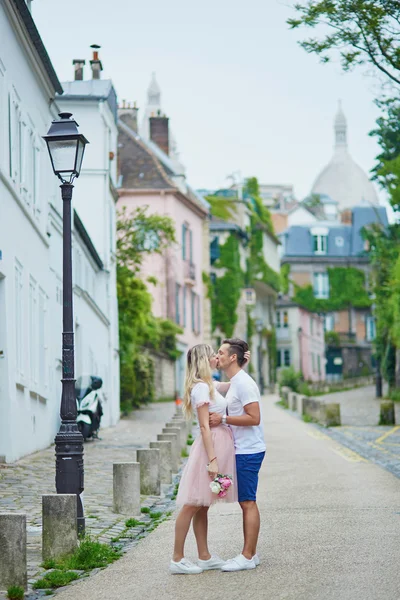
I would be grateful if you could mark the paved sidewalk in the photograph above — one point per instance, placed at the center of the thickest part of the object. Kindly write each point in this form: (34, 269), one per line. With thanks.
(330, 531)
(359, 407)
(22, 484)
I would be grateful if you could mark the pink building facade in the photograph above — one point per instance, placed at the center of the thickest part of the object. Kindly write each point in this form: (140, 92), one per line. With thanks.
(149, 178)
(300, 340)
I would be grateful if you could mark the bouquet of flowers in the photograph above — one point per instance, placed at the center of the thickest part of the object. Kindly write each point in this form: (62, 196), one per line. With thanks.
(221, 484)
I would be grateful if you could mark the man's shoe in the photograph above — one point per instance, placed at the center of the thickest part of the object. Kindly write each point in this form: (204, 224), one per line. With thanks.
(256, 560)
(184, 567)
(215, 562)
(239, 563)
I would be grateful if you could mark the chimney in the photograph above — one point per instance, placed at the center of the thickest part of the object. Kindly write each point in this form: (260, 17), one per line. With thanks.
(128, 113)
(159, 133)
(78, 68)
(95, 63)
(346, 217)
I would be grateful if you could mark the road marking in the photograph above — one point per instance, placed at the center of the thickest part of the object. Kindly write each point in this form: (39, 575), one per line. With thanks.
(386, 435)
(340, 450)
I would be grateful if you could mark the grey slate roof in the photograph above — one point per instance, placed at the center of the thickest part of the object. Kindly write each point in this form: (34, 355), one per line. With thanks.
(343, 240)
(91, 89)
(31, 28)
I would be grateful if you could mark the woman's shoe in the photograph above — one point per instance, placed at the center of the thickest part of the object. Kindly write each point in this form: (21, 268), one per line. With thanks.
(184, 567)
(215, 562)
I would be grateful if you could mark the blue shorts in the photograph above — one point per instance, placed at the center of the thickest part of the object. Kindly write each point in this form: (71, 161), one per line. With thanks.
(247, 469)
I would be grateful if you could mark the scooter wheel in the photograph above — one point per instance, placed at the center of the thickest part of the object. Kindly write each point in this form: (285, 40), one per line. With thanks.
(85, 430)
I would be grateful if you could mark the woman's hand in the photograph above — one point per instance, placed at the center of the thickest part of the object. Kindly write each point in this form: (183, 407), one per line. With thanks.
(247, 356)
(212, 468)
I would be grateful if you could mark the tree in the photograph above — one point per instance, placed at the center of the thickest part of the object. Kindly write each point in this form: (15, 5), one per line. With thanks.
(362, 32)
(140, 234)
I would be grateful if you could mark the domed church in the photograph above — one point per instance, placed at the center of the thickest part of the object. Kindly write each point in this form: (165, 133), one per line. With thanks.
(343, 179)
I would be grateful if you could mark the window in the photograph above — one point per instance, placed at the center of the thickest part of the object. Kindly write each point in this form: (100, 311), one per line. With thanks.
(282, 319)
(283, 358)
(33, 321)
(370, 327)
(321, 285)
(311, 326)
(177, 307)
(320, 244)
(319, 365)
(313, 361)
(329, 322)
(286, 358)
(193, 310)
(191, 245)
(214, 250)
(184, 306)
(184, 229)
(19, 325)
(42, 347)
(198, 314)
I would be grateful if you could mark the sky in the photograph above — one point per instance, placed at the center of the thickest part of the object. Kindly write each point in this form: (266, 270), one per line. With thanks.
(240, 93)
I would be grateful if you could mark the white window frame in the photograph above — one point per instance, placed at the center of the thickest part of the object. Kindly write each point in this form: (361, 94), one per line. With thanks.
(370, 328)
(321, 285)
(19, 315)
(322, 244)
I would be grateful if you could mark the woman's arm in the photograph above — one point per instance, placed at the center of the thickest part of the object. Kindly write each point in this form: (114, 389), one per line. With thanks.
(204, 416)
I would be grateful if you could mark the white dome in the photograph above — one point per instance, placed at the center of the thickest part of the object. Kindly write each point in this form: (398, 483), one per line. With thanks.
(343, 179)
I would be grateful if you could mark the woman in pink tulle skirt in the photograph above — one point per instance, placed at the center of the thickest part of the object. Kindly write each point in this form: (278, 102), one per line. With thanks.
(212, 453)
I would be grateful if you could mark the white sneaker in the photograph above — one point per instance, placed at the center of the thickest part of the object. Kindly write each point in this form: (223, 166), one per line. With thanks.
(215, 562)
(256, 560)
(184, 567)
(239, 563)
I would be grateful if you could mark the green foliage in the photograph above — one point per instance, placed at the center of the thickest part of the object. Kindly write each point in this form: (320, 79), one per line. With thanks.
(15, 592)
(251, 326)
(387, 133)
(361, 32)
(260, 222)
(155, 515)
(222, 208)
(304, 389)
(285, 272)
(140, 234)
(332, 338)
(288, 377)
(282, 403)
(133, 523)
(145, 510)
(227, 289)
(55, 579)
(270, 334)
(184, 453)
(347, 287)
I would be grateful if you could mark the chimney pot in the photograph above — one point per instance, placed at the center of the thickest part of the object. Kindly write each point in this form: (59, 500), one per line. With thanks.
(95, 63)
(78, 68)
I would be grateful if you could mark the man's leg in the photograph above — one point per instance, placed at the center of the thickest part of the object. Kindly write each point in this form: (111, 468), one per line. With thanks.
(251, 527)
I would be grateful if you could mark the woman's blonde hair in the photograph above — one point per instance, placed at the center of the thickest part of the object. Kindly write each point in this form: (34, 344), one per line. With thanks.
(198, 370)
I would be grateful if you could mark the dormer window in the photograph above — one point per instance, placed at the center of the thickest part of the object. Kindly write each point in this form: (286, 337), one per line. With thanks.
(320, 244)
(320, 240)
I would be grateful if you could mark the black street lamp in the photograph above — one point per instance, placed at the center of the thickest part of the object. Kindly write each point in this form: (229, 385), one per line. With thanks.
(66, 148)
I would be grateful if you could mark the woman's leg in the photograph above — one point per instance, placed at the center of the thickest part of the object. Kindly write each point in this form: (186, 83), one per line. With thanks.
(182, 525)
(200, 528)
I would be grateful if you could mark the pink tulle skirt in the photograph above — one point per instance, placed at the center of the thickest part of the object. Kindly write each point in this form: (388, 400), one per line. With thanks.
(194, 487)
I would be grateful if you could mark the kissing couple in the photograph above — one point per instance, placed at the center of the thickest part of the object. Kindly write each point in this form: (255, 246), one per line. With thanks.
(231, 444)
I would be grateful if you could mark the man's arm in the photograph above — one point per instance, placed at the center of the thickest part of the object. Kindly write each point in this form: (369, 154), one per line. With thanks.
(250, 419)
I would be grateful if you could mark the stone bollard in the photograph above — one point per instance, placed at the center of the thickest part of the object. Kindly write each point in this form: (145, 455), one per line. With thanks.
(149, 459)
(330, 414)
(13, 550)
(165, 449)
(387, 415)
(183, 431)
(176, 449)
(126, 488)
(177, 430)
(60, 532)
(188, 423)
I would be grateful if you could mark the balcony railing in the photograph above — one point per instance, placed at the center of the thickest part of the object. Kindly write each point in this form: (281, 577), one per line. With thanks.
(190, 273)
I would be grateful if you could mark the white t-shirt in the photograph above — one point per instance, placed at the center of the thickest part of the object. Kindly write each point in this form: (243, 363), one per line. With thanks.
(200, 395)
(243, 391)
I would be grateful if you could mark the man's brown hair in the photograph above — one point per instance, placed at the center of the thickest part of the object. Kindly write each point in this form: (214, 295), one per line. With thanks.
(238, 347)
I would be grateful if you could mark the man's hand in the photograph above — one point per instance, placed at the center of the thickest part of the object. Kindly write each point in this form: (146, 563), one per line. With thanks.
(215, 419)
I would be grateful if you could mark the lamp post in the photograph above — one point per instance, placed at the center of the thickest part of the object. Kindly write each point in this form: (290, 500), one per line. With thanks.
(66, 148)
(259, 328)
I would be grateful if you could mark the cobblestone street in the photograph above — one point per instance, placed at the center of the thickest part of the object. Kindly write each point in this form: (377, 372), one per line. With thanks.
(22, 484)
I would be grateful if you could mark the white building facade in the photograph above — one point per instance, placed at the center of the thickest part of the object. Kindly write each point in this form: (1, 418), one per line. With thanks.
(31, 253)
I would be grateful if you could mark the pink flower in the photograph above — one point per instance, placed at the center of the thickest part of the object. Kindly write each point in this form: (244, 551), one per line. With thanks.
(222, 494)
(226, 482)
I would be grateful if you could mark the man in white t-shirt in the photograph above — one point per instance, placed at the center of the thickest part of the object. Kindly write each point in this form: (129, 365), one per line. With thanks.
(245, 420)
